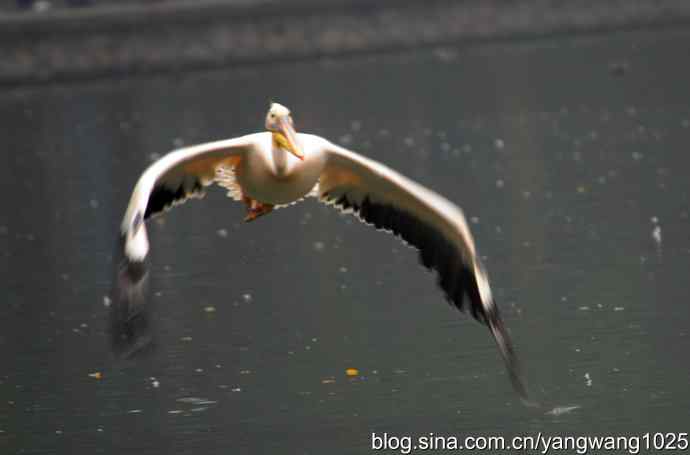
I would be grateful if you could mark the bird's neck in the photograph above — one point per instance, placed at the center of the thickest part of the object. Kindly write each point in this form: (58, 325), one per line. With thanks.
(280, 158)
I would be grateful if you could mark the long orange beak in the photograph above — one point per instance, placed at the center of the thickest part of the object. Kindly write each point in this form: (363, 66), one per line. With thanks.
(288, 132)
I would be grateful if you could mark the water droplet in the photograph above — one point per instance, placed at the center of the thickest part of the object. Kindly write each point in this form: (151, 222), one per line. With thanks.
(560, 410)
(656, 234)
(445, 54)
(196, 401)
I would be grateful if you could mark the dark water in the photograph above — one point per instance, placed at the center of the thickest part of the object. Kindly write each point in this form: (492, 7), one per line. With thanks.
(570, 155)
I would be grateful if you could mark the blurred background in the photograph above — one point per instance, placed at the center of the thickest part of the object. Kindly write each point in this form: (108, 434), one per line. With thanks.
(560, 127)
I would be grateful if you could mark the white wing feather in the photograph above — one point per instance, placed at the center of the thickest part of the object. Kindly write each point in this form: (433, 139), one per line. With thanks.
(173, 179)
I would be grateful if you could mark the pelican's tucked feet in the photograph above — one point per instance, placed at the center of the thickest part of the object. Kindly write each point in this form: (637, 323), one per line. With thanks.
(256, 210)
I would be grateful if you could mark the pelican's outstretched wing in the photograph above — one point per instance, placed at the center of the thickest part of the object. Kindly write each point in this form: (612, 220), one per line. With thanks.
(171, 180)
(436, 227)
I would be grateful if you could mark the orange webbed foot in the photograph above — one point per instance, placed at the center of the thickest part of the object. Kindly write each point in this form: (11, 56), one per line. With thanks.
(255, 209)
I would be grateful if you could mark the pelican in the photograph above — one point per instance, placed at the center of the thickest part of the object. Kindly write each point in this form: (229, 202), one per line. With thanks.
(278, 167)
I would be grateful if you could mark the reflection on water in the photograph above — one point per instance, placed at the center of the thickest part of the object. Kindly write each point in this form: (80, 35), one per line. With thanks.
(571, 174)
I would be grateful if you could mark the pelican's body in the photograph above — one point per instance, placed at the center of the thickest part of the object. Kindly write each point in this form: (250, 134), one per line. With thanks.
(278, 167)
(272, 175)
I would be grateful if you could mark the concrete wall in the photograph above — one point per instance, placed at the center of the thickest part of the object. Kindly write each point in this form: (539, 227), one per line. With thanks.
(110, 38)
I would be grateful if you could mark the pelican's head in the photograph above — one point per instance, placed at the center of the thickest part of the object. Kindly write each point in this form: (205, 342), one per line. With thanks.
(279, 122)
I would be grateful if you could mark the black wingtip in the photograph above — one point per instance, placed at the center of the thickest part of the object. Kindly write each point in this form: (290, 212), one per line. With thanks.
(505, 346)
(485, 310)
(129, 324)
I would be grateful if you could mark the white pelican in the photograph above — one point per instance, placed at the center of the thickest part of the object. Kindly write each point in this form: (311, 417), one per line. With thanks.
(278, 167)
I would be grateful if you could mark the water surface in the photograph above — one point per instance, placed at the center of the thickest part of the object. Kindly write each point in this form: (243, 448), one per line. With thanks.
(568, 155)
